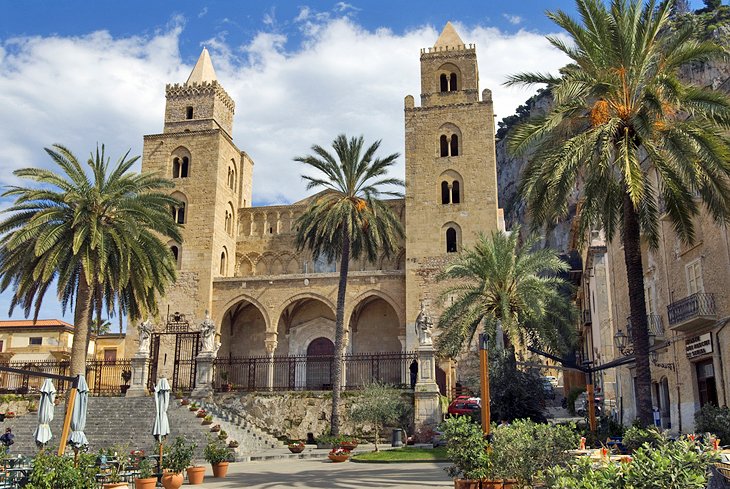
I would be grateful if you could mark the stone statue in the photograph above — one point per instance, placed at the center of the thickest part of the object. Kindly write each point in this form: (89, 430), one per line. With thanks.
(207, 330)
(424, 327)
(145, 334)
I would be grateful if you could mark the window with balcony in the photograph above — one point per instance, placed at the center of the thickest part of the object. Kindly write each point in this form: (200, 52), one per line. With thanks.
(35, 340)
(694, 277)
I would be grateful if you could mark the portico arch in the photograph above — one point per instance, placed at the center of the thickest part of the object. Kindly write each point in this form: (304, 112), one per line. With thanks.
(304, 318)
(375, 324)
(243, 329)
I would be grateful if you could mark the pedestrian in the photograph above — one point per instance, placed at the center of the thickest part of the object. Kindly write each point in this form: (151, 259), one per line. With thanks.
(7, 439)
(414, 372)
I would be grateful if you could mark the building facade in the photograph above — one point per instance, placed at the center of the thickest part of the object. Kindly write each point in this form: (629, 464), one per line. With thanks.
(240, 262)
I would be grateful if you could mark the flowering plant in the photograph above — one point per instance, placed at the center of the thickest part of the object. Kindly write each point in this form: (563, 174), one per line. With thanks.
(9, 414)
(296, 443)
(201, 413)
(339, 451)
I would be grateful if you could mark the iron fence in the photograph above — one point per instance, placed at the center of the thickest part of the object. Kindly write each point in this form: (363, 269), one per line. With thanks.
(302, 372)
(104, 377)
(699, 304)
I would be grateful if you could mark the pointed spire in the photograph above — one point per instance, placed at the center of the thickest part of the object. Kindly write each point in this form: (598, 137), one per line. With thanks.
(203, 71)
(449, 37)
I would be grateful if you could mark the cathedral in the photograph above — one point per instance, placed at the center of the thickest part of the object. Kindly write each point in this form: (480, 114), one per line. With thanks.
(239, 262)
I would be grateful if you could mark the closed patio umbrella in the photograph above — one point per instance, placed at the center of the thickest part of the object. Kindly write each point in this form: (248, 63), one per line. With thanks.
(43, 434)
(162, 400)
(77, 439)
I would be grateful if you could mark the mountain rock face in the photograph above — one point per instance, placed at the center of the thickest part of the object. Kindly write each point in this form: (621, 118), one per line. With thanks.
(509, 167)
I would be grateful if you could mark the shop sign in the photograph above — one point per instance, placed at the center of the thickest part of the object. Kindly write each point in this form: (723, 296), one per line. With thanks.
(699, 345)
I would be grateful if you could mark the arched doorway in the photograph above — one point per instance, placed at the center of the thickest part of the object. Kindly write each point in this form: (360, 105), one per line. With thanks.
(320, 353)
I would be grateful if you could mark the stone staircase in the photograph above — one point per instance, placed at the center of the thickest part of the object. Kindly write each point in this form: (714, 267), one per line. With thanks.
(123, 421)
(252, 440)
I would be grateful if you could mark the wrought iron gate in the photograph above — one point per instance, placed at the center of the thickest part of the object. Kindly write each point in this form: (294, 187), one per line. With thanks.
(187, 347)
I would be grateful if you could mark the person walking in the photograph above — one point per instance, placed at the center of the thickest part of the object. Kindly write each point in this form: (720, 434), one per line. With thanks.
(7, 438)
(414, 372)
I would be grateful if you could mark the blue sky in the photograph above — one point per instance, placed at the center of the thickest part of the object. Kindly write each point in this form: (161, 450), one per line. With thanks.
(79, 72)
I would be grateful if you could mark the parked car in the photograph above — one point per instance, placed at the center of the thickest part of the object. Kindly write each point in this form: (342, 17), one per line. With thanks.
(548, 389)
(464, 405)
(553, 380)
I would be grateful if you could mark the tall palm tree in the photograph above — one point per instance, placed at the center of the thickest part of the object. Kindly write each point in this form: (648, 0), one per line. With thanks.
(639, 140)
(505, 283)
(348, 221)
(97, 235)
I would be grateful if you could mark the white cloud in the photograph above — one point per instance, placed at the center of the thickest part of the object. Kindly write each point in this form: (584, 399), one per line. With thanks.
(203, 12)
(513, 19)
(96, 88)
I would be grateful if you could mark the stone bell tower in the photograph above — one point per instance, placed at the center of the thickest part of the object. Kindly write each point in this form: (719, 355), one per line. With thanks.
(451, 175)
(212, 180)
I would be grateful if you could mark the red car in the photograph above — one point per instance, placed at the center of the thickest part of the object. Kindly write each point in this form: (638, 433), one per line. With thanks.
(464, 405)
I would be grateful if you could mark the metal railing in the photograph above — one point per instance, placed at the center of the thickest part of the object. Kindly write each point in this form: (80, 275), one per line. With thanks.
(653, 322)
(699, 304)
(301, 372)
(104, 377)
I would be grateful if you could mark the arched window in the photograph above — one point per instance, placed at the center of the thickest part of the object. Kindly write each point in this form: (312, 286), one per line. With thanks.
(224, 262)
(451, 244)
(184, 167)
(444, 83)
(188, 112)
(445, 197)
(175, 252)
(176, 168)
(454, 145)
(452, 82)
(455, 197)
(179, 213)
(444, 143)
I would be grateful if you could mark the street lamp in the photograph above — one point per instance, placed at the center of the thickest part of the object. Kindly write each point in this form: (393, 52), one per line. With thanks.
(484, 371)
(654, 357)
(622, 343)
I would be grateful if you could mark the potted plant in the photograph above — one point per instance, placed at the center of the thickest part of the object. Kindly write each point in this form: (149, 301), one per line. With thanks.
(126, 377)
(233, 444)
(349, 443)
(467, 450)
(175, 462)
(9, 414)
(114, 477)
(196, 474)
(208, 419)
(145, 479)
(193, 406)
(184, 402)
(215, 428)
(225, 385)
(339, 454)
(202, 413)
(222, 435)
(296, 446)
(217, 454)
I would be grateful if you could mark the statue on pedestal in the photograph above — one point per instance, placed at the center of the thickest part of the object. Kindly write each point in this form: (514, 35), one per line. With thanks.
(424, 327)
(145, 334)
(207, 331)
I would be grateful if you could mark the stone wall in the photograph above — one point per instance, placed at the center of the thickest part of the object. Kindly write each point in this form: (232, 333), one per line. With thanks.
(292, 415)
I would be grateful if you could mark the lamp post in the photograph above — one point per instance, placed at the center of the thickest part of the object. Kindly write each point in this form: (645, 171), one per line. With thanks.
(484, 370)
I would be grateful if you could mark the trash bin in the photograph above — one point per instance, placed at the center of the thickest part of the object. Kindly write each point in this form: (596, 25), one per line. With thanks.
(397, 440)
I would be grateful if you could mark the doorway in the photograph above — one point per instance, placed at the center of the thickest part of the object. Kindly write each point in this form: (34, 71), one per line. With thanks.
(320, 354)
(706, 386)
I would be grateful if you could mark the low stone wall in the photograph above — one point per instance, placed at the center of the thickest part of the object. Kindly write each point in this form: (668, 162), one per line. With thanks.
(292, 415)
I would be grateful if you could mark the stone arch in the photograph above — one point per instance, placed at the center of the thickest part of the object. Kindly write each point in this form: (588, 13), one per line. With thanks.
(451, 187)
(223, 268)
(180, 212)
(380, 294)
(181, 160)
(244, 267)
(450, 140)
(243, 329)
(243, 297)
(449, 77)
(310, 295)
(451, 237)
(176, 251)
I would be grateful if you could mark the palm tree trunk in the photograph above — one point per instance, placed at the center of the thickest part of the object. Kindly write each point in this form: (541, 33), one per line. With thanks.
(82, 313)
(339, 336)
(639, 323)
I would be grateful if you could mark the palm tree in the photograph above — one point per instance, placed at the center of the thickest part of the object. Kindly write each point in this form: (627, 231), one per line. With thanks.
(348, 221)
(502, 282)
(97, 235)
(639, 140)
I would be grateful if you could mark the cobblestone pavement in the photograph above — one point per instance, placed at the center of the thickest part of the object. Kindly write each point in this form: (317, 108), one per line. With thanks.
(327, 475)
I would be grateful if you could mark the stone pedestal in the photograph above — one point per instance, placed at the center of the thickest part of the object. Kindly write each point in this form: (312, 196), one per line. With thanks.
(140, 372)
(426, 395)
(204, 375)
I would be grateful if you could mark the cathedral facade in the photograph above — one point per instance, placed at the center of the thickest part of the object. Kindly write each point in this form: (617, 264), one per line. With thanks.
(240, 262)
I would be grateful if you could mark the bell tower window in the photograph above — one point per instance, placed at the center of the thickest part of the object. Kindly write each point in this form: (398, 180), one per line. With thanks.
(451, 245)
(184, 167)
(176, 168)
(444, 144)
(455, 197)
(188, 112)
(178, 213)
(452, 82)
(454, 145)
(445, 193)
(444, 83)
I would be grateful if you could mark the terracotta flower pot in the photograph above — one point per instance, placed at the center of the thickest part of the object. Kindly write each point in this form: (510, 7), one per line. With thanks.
(207, 421)
(114, 485)
(348, 445)
(466, 484)
(492, 484)
(232, 444)
(220, 469)
(148, 483)
(196, 474)
(338, 458)
(296, 448)
(510, 483)
(172, 481)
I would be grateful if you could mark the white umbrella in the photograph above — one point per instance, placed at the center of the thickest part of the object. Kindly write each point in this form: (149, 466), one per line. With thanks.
(78, 417)
(162, 401)
(43, 434)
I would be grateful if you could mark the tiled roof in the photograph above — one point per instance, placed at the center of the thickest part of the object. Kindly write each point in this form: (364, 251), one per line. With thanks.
(28, 323)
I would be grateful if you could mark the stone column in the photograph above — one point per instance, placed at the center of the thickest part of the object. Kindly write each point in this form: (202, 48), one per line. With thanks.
(426, 395)
(140, 374)
(270, 348)
(204, 374)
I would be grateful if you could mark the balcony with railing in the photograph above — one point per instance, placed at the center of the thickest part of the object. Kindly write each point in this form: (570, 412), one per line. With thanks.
(653, 322)
(692, 312)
